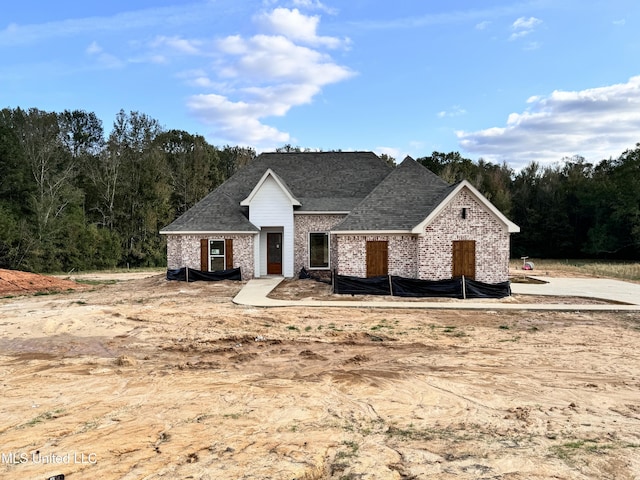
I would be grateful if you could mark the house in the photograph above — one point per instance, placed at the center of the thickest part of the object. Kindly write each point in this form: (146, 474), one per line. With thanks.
(344, 211)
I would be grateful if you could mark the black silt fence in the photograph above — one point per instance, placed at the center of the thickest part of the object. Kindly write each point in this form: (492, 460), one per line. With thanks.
(186, 274)
(487, 290)
(361, 286)
(412, 287)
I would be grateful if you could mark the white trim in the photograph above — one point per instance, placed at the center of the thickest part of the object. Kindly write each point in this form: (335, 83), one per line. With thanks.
(328, 235)
(371, 232)
(213, 232)
(270, 173)
(511, 227)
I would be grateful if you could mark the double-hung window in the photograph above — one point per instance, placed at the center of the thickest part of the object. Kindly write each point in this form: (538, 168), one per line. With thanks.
(318, 250)
(216, 255)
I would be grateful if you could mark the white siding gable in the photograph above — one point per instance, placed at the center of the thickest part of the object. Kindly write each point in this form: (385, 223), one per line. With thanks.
(271, 207)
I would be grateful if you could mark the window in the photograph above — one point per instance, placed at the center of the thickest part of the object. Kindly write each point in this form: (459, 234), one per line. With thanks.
(318, 250)
(216, 255)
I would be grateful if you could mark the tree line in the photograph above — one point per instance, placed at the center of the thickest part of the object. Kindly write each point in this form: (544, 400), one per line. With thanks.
(572, 209)
(72, 197)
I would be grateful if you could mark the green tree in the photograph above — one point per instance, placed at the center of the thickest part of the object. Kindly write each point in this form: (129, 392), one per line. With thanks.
(451, 166)
(494, 181)
(388, 159)
(616, 207)
(233, 158)
(52, 190)
(139, 182)
(193, 166)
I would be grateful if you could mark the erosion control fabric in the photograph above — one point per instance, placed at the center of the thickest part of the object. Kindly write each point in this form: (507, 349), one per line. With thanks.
(361, 286)
(190, 275)
(411, 287)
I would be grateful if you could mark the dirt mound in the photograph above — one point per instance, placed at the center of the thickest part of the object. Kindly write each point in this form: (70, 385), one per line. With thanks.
(14, 282)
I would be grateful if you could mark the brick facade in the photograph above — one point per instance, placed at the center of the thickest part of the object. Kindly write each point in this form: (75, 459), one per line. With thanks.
(429, 256)
(305, 224)
(352, 254)
(491, 237)
(184, 250)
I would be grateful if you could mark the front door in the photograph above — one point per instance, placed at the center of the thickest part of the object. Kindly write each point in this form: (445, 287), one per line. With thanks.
(274, 253)
(464, 259)
(377, 258)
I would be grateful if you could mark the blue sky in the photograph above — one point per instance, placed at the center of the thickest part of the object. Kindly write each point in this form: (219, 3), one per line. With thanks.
(502, 80)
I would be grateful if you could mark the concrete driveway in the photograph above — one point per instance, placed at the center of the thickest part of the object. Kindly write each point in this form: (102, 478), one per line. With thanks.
(255, 292)
(603, 288)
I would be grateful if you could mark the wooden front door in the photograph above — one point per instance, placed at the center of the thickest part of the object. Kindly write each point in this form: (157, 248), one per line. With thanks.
(464, 259)
(274, 253)
(377, 258)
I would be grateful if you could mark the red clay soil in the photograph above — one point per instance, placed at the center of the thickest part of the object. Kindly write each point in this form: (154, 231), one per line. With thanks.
(14, 282)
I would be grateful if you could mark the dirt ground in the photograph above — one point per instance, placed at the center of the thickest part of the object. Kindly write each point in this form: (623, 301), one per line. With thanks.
(14, 282)
(146, 379)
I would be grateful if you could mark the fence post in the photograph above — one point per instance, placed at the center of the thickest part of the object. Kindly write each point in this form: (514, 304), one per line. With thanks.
(186, 273)
(464, 289)
(390, 286)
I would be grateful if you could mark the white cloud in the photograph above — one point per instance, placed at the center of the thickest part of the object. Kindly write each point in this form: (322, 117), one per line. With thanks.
(454, 111)
(314, 5)
(295, 26)
(178, 44)
(524, 26)
(94, 48)
(392, 152)
(269, 58)
(104, 59)
(266, 76)
(202, 81)
(526, 23)
(16, 34)
(532, 46)
(237, 120)
(483, 25)
(596, 123)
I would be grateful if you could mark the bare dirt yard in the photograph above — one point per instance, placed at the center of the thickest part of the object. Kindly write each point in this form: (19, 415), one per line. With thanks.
(146, 379)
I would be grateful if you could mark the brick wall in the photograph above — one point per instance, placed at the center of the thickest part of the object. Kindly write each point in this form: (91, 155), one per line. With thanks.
(352, 254)
(491, 237)
(184, 250)
(303, 225)
(429, 256)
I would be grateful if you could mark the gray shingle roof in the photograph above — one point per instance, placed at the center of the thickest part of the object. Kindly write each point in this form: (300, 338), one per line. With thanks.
(321, 181)
(400, 202)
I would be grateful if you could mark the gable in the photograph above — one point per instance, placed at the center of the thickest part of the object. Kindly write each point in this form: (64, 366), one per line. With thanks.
(271, 205)
(268, 186)
(456, 189)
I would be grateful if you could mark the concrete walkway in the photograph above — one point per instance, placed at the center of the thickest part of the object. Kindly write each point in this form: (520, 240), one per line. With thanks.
(255, 292)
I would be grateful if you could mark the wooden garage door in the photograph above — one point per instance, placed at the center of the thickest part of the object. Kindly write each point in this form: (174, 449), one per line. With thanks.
(464, 259)
(377, 258)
